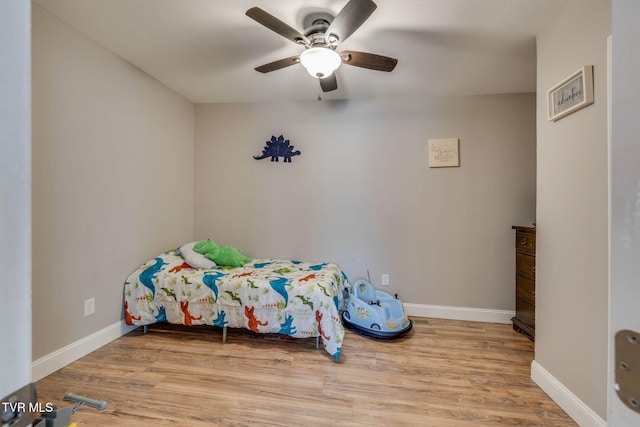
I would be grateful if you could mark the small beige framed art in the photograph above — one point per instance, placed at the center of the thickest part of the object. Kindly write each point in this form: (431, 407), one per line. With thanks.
(443, 152)
(571, 94)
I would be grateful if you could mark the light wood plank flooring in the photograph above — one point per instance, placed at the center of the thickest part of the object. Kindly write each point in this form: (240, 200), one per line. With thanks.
(444, 373)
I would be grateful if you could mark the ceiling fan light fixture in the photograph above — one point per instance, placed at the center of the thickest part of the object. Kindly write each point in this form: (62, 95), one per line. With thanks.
(320, 62)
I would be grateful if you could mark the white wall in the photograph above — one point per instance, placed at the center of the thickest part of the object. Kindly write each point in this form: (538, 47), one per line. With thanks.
(15, 195)
(362, 195)
(571, 262)
(112, 179)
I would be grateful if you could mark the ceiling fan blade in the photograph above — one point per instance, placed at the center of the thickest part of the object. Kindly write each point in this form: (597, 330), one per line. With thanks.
(329, 83)
(368, 60)
(280, 63)
(274, 24)
(349, 19)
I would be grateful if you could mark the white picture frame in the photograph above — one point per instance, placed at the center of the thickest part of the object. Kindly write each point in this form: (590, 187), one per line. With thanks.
(443, 152)
(571, 94)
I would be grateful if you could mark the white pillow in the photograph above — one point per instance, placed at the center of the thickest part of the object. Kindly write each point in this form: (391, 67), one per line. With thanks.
(194, 259)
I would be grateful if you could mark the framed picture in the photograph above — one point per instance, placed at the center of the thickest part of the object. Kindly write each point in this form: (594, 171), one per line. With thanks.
(570, 95)
(443, 152)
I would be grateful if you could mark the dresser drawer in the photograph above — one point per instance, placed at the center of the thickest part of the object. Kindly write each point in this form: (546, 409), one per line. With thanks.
(526, 288)
(524, 321)
(526, 265)
(525, 242)
(526, 312)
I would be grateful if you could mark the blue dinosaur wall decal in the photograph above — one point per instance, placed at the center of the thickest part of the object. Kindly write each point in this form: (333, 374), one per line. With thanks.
(276, 148)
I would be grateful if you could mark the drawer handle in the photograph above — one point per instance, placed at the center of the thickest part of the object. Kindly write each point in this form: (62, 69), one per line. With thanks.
(533, 268)
(523, 241)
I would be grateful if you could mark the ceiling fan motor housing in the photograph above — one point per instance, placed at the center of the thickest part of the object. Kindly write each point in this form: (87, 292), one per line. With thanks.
(316, 25)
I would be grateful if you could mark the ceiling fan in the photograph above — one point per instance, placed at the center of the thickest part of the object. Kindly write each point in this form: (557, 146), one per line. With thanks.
(322, 35)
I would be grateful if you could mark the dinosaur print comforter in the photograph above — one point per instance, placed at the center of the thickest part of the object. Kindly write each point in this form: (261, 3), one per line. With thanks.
(299, 299)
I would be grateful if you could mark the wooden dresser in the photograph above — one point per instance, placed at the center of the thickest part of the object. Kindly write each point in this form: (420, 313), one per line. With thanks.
(525, 318)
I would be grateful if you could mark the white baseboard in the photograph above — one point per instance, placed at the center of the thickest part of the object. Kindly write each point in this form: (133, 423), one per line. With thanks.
(60, 358)
(574, 407)
(459, 313)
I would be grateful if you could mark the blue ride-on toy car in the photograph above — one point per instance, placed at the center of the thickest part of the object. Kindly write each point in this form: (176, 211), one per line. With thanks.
(374, 313)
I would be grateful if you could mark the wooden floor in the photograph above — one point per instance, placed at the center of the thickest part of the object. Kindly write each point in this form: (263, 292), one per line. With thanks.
(444, 373)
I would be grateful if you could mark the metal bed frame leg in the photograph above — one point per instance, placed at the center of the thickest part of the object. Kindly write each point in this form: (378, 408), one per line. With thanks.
(224, 334)
(145, 329)
(317, 342)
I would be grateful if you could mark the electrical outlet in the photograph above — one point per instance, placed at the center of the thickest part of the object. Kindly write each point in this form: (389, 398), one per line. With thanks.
(89, 307)
(385, 280)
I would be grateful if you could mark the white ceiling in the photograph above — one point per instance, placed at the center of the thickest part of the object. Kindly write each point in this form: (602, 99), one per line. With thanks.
(207, 50)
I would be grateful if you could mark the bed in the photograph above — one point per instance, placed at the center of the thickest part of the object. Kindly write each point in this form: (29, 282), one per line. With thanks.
(298, 299)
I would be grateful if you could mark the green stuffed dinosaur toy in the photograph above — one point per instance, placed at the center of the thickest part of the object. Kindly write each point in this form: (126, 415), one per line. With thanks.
(221, 255)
